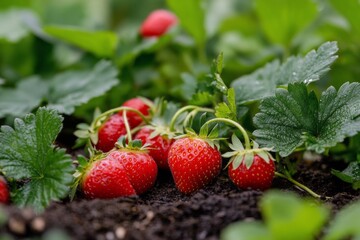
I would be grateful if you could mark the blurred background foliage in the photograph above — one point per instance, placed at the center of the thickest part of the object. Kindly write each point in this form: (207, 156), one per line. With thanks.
(49, 37)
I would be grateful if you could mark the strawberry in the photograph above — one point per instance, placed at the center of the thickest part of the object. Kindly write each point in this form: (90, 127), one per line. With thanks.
(252, 168)
(4, 191)
(106, 178)
(123, 172)
(140, 168)
(114, 127)
(193, 163)
(258, 176)
(137, 104)
(157, 23)
(159, 146)
(110, 132)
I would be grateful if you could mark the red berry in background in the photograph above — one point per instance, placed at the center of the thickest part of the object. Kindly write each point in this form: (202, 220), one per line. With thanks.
(137, 104)
(110, 132)
(193, 163)
(107, 178)
(114, 127)
(158, 148)
(4, 191)
(258, 176)
(157, 23)
(139, 166)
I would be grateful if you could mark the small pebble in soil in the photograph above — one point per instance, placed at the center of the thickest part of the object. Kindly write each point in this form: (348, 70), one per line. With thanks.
(38, 224)
(120, 232)
(17, 226)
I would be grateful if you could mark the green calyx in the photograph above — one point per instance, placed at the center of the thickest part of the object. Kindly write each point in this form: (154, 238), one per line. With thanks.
(241, 155)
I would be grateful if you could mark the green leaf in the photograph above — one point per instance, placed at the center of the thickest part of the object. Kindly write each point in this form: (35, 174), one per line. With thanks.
(100, 43)
(351, 174)
(13, 26)
(345, 223)
(245, 231)
(73, 88)
(27, 154)
(350, 10)
(191, 16)
(282, 20)
(227, 109)
(19, 101)
(289, 217)
(294, 117)
(263, 82)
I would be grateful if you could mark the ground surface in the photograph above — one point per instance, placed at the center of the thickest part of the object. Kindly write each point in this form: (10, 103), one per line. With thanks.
(164, 213)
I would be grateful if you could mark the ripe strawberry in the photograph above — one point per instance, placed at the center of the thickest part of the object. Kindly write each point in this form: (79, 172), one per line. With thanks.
(137, 104)
(114, 127)
(193, 163)
(139, 166)
(106, 178)
(258, 176)
(4, 191)
(157, 23)
(110, 132)
(159, 146)
(123, 172)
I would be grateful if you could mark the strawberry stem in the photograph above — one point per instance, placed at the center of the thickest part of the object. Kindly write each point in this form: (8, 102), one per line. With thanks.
(115, 110)
(235, 124)
(301, 186)
(195, 109)
(127, 127)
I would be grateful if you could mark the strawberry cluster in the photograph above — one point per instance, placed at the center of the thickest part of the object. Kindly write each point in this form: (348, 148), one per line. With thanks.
(133, 141)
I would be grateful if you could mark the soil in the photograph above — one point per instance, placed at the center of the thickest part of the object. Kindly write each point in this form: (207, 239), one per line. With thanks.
(164, 213)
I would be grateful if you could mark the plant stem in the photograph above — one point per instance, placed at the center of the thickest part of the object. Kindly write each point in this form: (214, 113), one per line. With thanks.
(185, 109)
(127, 127)
(237, 125)
(302, 186)
(114, 110)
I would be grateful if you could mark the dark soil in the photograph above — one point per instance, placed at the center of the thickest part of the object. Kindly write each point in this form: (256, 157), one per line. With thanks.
(164, 213)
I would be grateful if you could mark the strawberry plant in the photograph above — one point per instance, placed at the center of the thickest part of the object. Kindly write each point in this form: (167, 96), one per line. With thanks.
(116, 116)
(41, 171)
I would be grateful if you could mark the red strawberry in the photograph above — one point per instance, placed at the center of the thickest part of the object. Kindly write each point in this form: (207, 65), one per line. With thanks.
(107, 178)
(157, 23)
(110, 132)
(4, 191)
(258, 176)
(122, 172)
(140, 168)
(137, 104)
(159, 146)
(193, 163)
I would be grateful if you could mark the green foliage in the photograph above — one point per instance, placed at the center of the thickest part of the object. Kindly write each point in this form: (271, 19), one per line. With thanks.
(227, 109)
(351, 174)
(63, 92)
(191, 16)
(12, 25)
(27, 155)
(100, 43)
(291, 18)
(345, 224)
(294, 117)
(23, 99)
(264, 81)
(286, 216)
(350, 10)
(73, 88)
